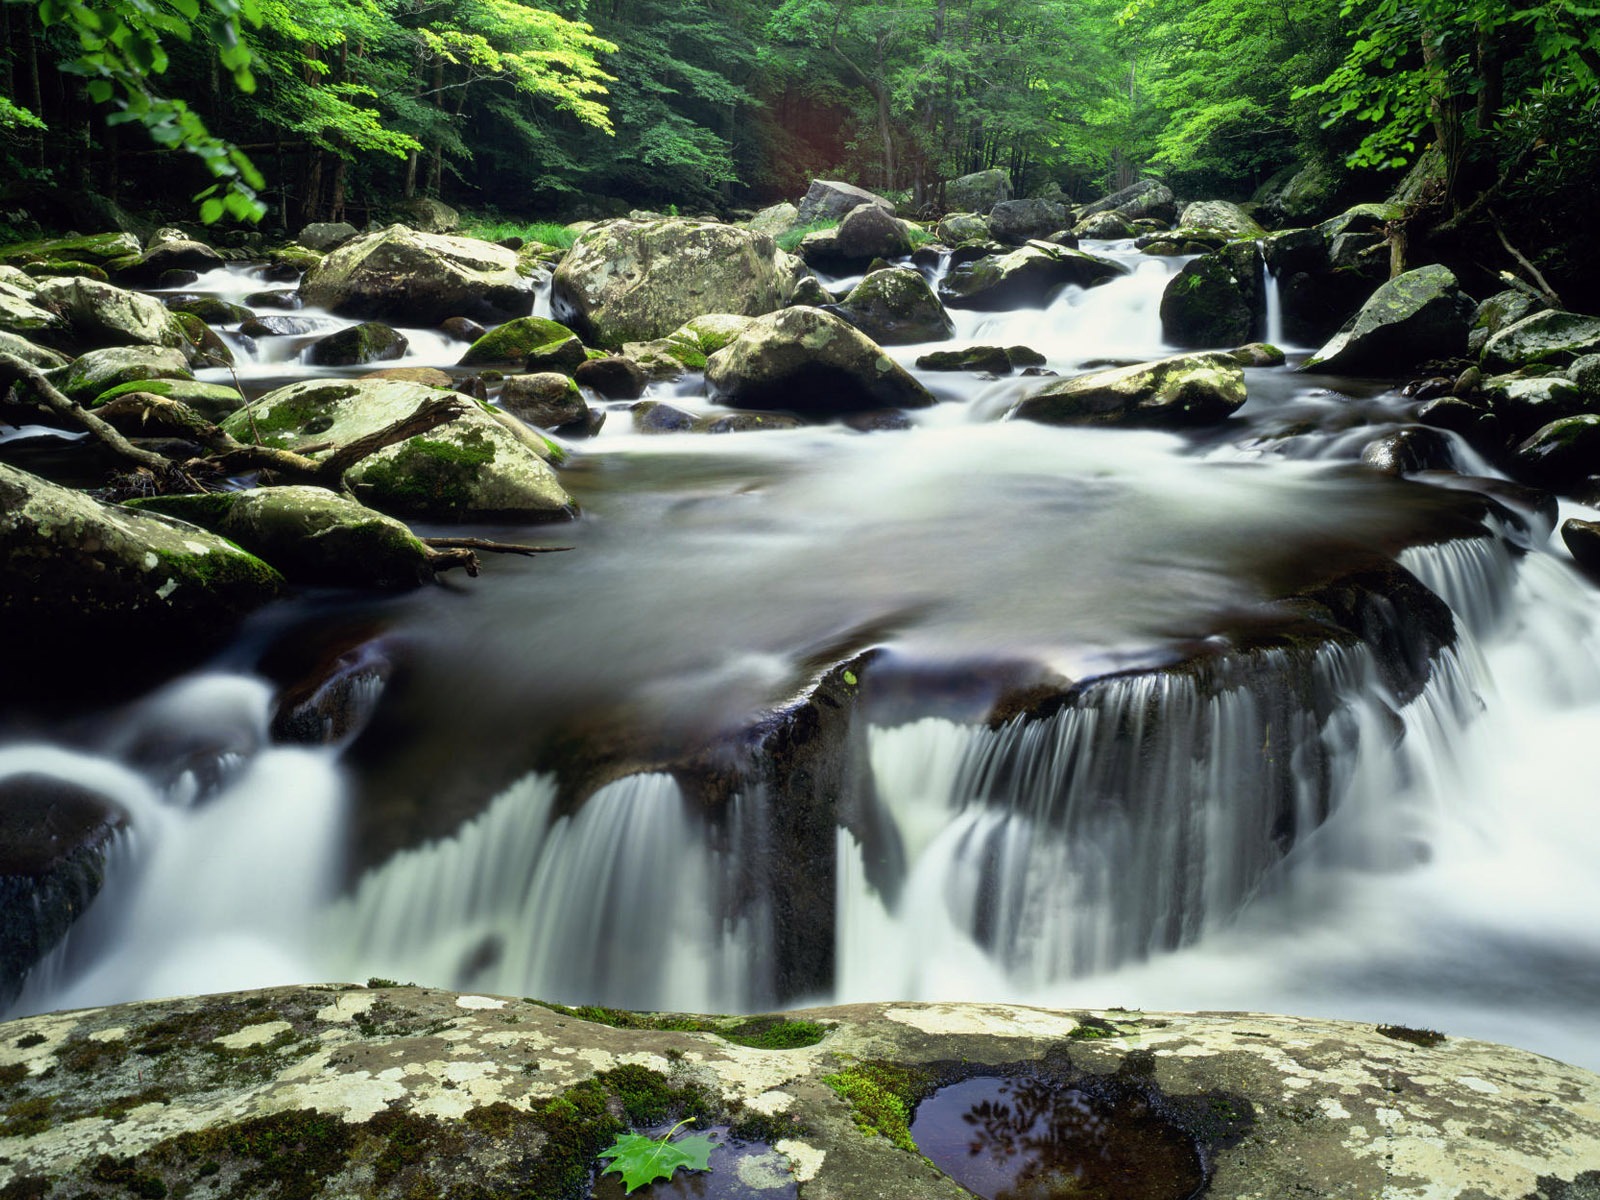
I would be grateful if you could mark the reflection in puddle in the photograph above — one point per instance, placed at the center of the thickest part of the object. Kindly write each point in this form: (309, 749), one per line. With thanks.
(1024, 1139)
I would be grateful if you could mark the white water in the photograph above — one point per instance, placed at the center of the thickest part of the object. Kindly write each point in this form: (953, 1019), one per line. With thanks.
(1453, 886)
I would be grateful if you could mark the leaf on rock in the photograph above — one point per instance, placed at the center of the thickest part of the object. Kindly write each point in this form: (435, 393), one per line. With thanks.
(641, 1160)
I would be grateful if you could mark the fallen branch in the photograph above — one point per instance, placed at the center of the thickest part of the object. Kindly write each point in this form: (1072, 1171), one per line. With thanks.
(20, 370)
(449, 558)
(1548, 292)
(489, 547)
(429, 416)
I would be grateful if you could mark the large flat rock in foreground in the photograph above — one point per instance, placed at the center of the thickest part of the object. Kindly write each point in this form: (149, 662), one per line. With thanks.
(401, 1091)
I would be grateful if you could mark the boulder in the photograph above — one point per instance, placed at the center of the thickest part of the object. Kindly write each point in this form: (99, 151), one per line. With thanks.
(1582, 539)
(1361, 219)
(991, 360)
(128, 584)
(812, 363)
(21, 315)
(830, 200)
(695, 341)
(1562, 454)
(371, 341)
(1409, 450)
(977, 192)
(1217, 221)
(54, 835)
(809, 292)
(1172, 393)
(213, 401)
(896, 307)
(276, 298)
(1551, 336)
(866, 233)
(547, 399)
(310, 534)
(475, 466)
(323, 236)
(962, 227)
(1147, 199)
(1416, 316)
(170, 250)
(209, 309)
(1496, 313)
(106, 250)
(1018, 221)
(1258, 354)
(398, 274)
(428, 215)
(1205, 305)
(98, 314)
(613, 377)
(775, 221)
(631, 280)
(461, 329)
(1028, 277)
(1525, 403)
(1105, 226)
(39, 356)
(1304, 197)
(432, 376)
(1585, 374)
(655, 417)
(517, 341)
(98, 371)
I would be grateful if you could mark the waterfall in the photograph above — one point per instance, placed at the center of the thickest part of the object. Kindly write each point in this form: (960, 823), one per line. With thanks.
(1273, 298)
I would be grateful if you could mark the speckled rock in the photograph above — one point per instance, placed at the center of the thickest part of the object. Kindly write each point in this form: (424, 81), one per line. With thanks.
(98, 371)
(389, 1092)
(1017, 221)
(1214, 220)
(1416, 316)
(956, 228)
(474, 466)
(978, 192)
(1189, 389)
(1551, 336)
(829, 200)
(39, 356)
(896, 307)
(98, 314)
(1027, 277)
(20, 314)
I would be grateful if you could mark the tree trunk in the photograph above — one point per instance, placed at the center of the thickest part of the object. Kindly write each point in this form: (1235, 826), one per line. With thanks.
(1491, 78)
(1445, 109)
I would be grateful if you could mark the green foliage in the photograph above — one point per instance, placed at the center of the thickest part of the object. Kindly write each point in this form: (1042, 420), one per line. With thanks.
(641, 1160)
(545, 233)
(791, 240)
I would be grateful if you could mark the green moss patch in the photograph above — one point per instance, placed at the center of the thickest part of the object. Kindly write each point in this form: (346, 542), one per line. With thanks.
(761, 1033)
(881, 1097)
(1426, 1038)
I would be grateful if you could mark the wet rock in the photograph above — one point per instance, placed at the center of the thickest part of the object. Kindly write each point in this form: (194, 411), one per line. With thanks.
(1416, 316)
(977, 192)
(613, 377)
(277, 298)
(431, 376)
(1217, 221)
(1582, 539)
(461, 329)
(1025, 278)
(80, 573)
(812, 363)
(1479, 426)
(212, 401)
(1258, 354)
(1561, 454)
(97, 372)
(53, 840)
(654, 416)
(1146, 199)
(475, 466)
(748, 422)
(275, 326)
(1496, 313)
(1205, 305)
(830, 200)
(992, 359)
(884, 421)
(627, 280)
(1018, 221)
(100, 315)
(309, 534)
(371, 341)
(398, 274)
(548, 399)
(962, 227)
(324, 236)
(1408, 451)
(209, 309)
(1551, 336)
(896, 307)
(866, 233)
(1188, 390)
(554, 345)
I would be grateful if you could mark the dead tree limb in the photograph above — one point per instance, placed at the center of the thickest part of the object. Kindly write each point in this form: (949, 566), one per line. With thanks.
(488, 546)
(18, 370)
(1539, 280)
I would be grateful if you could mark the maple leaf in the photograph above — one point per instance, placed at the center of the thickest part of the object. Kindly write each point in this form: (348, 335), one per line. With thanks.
(641, 1160)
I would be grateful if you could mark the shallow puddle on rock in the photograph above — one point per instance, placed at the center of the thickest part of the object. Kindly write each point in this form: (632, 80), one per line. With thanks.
(1026, 1139)
(739, 1171)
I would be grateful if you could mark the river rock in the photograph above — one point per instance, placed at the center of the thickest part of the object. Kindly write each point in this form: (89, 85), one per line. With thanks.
(994, 360)
(1258, 354)
(655, 416)
(38, 356)
(371, 341)
(518, 341)
(323, 236)
(1106, 226)
(830, 200)
(1496, 313)
(472, 467)
(128, 584)
(1562, 454)
(866, 233)
(101, 315)
(209, 309)
(1416, 316)
(1585, 374)
(613, 377)
(896, 307)
(962, 227)
(1018, 221)
(428, 215)
(1525, 403)
(1406, 451)
(627, 280)
(310, 534)
(1026, 278)
(1205, 305)
(1217, 221)
(977, 192)
(1187, 390)
(1582, 539)
(1361, 219)
(170, 250)
(1303, 197)
(1147, 199)
(98, 371)
(21, 314)
(774, 221)
(547, 399)
(398, 274)
(1551, 336)
(53, 840)
(213, 401)
(812, 363)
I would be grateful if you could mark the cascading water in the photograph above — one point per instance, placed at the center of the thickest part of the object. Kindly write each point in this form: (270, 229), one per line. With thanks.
(1272, 300)
(1288, 836)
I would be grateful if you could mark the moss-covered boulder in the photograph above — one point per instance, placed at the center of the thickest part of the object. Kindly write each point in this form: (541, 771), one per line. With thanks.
(1496, 313)
(866, 234)
(547, 399)
(213, 401)
(210, 309)
(371, 341)
(28, 352)
(1104, 226)
(1205, 305)
(994, 360)
(1217, 221)
(1172, 393)
(1551, 336)
(554, 345)
(475, 466)
(1019, 221)
(410, 278)
(1417, 316)
(957, 228)
(1147, 199)
(313, 536)
(170, 250)
(1560, 455)
(812, 363)
(97, 372)
(1526, 403)
(101, 315)
(628, 280)
(830, 199)
(1028, 277)
(22, 315)
(102, 249)
(978, 192)
(127, 583)
(896, 307)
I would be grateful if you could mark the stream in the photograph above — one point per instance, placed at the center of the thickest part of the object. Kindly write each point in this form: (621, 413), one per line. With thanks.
(1439, 866)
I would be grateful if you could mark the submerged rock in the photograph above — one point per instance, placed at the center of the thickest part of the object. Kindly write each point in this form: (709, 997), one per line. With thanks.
(1187, 390)
(812, 363)
(1417, 316)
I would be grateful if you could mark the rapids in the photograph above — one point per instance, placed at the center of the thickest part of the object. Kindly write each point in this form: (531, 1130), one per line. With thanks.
(1086, 859)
